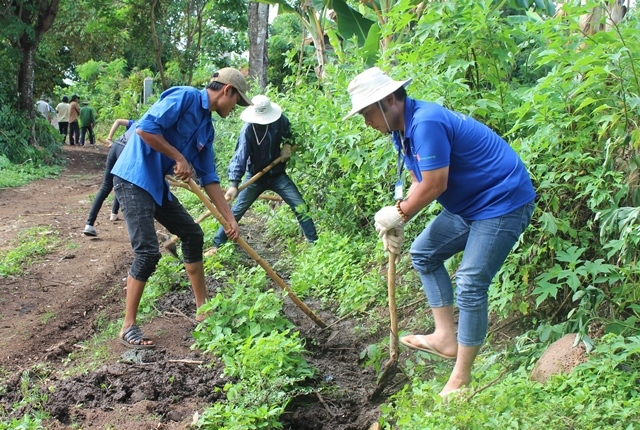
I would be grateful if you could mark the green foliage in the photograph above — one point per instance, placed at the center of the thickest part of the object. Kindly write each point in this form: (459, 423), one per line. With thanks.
(245, 329)
(32, 399)
(285, 34)
(168, 276)
(114, 91)
(29, 244)
(16, 132)
(599, 394)
(338, 268)
(26, 422)
(15, 175)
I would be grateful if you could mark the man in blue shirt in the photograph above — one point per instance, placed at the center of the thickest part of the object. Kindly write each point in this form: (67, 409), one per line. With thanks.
(175, 133)
(265, 136)
(487, 199)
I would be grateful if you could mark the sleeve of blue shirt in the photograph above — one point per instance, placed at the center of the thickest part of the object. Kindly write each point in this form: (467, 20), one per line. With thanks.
(162, 115)
(238, 164)
(432, 146)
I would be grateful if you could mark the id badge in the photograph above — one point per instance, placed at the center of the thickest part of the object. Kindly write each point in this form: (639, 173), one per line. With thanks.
(397, 194)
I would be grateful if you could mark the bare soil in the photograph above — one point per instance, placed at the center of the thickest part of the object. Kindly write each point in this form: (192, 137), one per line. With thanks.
(63, 299)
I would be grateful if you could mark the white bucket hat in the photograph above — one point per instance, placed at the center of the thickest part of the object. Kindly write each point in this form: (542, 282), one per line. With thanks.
(369, 87)
(262, 112)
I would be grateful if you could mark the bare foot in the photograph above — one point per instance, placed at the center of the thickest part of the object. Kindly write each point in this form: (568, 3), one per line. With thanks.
(431, 344)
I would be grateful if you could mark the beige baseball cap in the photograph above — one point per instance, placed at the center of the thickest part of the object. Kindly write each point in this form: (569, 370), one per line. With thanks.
(233, 77)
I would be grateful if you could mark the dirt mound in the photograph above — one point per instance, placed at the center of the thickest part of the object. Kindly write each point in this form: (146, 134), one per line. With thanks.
(560, 357)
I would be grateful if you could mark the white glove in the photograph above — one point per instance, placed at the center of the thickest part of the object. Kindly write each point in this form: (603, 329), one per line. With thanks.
(285, 152)
(231, 194)
(393, 240)
(386, 219)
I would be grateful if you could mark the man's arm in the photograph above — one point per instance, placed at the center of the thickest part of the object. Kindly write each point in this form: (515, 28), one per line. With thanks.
(182, 169)
(421, 194)
(216, 196)
(238, 162)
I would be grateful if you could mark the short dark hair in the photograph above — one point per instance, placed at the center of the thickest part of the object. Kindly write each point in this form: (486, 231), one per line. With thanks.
(215, 85)
(65, 99)
(400, 94)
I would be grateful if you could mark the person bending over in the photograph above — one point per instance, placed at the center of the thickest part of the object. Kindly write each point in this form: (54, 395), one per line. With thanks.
(487, 201)
(265, 136)
(175, 133)
(107, 183)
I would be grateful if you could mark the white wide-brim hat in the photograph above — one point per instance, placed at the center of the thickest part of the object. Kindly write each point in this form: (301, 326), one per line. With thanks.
(369, 87)
(263, 111)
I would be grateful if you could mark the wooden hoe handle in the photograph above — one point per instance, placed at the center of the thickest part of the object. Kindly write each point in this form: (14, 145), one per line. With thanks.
(191, 185)
(205, 215)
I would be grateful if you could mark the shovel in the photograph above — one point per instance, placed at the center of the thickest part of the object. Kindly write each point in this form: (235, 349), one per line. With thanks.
(391, 366)
(169, 244)
(192, 186)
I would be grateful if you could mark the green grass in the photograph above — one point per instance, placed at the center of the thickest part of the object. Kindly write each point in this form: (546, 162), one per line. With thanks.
(14, 175)
(29, 244)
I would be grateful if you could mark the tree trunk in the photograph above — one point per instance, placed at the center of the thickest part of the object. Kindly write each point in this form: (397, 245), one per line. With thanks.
(258, 34)
(38, 16)
(25, 78)
(157, 46)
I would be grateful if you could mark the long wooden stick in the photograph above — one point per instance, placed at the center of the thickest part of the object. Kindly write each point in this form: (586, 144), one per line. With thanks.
(390, 367)
(244, 245)
(205, 215)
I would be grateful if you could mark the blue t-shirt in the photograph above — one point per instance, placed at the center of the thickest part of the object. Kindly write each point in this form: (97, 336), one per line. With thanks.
(487, 178)
(183, 117)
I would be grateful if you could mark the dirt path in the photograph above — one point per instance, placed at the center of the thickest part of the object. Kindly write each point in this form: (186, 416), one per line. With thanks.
(66, 297)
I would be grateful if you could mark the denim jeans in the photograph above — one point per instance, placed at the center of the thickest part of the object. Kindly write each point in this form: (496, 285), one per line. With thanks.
(285, 188)
(140, 210)
(83, 133)
(486, 244)
(107, 185)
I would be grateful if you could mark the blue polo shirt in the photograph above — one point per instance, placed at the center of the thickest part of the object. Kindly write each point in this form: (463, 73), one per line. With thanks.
(183, 117)
(487, 178)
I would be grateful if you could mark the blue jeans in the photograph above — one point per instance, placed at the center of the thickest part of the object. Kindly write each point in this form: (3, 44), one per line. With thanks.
(486, 244)
(107, 185)
(140, 210)
(285, 188)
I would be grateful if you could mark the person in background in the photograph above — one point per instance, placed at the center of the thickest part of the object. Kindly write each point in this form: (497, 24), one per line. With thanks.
(74, 127)
(87, 122)
(62, 110)
(107, 183)
(265, 136)
(175, 133)
(487, 201)
(44, 108)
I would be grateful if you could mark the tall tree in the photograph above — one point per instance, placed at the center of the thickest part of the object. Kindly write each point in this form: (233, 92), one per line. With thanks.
(258, 35)
(24, 23)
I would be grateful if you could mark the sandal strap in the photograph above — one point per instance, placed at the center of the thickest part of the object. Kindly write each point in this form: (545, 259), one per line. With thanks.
(133, 335)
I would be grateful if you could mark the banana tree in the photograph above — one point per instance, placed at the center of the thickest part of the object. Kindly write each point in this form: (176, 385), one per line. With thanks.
(314, 16)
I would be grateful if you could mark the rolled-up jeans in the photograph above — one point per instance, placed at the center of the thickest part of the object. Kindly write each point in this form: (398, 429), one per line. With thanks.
(486, 244)
(285, 188)
(140, 210)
